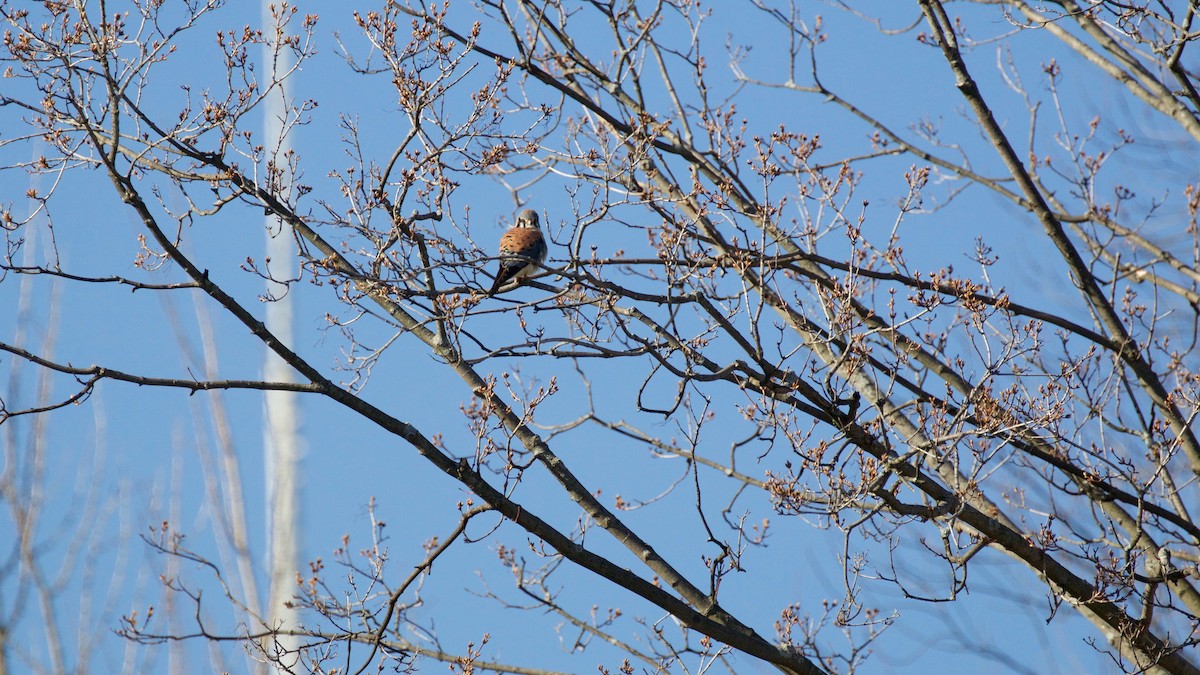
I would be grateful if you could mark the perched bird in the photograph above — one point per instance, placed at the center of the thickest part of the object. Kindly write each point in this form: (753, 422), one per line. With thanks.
(521, 249)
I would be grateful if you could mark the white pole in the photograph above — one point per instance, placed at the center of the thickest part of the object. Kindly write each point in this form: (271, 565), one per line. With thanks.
(281, 444)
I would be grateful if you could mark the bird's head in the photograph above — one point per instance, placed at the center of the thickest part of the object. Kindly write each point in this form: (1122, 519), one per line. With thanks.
(528, 218)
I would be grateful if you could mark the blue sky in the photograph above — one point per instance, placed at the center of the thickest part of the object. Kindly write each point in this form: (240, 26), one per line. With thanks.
(138, 452)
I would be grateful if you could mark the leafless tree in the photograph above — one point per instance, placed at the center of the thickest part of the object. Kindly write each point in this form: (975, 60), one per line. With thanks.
(757, 276)
(45, 555)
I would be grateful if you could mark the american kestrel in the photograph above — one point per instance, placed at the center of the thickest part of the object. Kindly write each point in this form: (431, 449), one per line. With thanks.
(521, 249)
